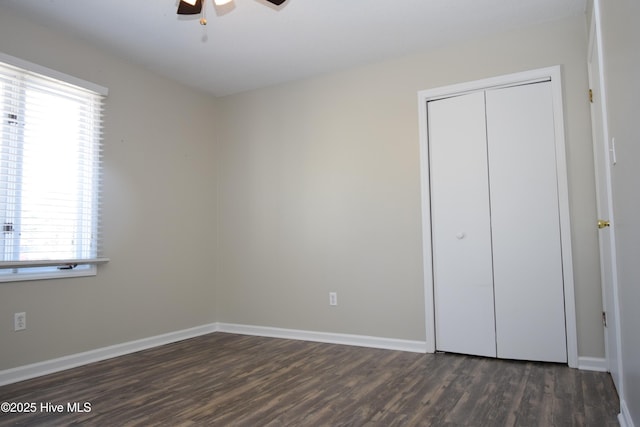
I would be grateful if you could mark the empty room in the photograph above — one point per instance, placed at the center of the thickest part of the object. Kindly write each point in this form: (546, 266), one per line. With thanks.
(304, 213)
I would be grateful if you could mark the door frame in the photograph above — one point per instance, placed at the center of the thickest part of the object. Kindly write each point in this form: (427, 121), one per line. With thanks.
(603, 152)
(552, 74)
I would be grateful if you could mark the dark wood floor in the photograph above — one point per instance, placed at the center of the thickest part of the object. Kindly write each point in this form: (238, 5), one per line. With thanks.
(233, 380)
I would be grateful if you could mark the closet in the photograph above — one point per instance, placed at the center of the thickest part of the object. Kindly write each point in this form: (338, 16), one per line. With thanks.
(495, 224)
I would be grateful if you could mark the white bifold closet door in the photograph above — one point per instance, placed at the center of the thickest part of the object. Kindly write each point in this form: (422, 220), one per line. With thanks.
(461, 228)
(497, 261)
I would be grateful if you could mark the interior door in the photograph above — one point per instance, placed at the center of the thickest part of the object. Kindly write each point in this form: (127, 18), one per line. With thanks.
(527, 257)
(603, 161)
(461, 232)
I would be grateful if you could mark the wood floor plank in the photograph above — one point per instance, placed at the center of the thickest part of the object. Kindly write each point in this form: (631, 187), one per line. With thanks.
(234, 380)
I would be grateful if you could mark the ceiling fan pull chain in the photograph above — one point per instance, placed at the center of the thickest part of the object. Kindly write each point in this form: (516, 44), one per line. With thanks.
(203, 17)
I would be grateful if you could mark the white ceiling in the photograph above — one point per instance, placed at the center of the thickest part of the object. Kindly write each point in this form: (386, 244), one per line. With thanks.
(255, 44)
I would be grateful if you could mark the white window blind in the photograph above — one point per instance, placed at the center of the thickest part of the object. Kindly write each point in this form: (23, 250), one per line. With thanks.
(50, 170)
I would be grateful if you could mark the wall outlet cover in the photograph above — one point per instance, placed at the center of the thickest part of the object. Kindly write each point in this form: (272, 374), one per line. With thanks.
(19, 321)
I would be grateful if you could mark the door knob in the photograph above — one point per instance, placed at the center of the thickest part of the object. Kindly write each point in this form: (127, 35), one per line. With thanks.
(603, 223)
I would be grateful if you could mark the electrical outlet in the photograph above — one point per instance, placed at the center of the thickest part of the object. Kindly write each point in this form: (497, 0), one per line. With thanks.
(333, 298)
(19, 321)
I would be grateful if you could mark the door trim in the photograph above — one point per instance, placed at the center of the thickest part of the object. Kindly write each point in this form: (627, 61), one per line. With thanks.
(554, 75)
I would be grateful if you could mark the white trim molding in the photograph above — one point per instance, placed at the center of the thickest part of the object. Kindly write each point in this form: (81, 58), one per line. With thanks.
(54, 74)
(552, 74)
(326, 337)
(624, 417)
(21, 373)
(596, 364)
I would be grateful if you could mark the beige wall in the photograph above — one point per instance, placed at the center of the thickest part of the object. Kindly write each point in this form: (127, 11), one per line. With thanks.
(320, 189)
(159, 212)
(621, 52)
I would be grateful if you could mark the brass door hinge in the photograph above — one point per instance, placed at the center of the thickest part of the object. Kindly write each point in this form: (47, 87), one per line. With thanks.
(591, 96)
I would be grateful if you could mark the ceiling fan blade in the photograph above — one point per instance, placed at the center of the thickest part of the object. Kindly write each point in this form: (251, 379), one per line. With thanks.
(185, 8)
(276, 2)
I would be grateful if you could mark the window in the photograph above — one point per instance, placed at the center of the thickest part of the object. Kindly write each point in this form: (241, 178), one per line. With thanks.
(50, 154)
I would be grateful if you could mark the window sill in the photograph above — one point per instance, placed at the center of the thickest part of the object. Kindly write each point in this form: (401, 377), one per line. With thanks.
(51, 263)
(16, 271)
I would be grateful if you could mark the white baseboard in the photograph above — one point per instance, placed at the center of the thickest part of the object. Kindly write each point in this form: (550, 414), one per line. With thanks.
(21, 373)
(26, 372)
(624, 417)
(326, 337)
(596, 364)
(600, 365)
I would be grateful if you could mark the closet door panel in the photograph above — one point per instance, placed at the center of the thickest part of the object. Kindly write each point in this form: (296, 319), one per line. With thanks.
(527, 258)
(461, 239)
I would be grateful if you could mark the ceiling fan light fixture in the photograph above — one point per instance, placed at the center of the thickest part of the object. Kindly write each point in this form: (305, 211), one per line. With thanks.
(194, 7)
(190, 7)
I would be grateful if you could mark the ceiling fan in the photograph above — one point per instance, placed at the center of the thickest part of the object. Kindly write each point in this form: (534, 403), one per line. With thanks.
(194, 7)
